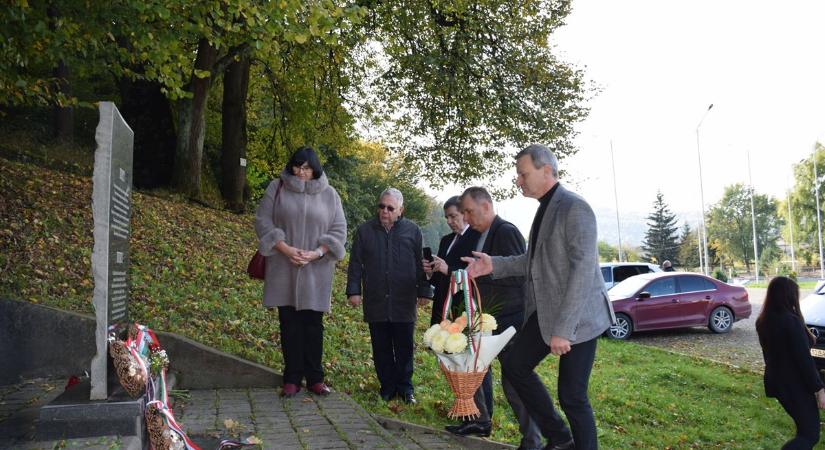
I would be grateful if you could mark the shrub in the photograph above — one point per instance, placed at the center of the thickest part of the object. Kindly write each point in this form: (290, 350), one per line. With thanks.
(719, 274)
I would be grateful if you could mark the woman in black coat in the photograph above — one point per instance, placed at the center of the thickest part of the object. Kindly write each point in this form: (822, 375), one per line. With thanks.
(790, 372)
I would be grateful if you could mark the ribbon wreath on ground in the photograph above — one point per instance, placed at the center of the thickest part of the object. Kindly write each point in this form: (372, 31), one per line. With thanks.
(141, 366)
(464, 346)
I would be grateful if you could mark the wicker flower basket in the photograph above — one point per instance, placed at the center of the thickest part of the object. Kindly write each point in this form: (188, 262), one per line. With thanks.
(464, 385)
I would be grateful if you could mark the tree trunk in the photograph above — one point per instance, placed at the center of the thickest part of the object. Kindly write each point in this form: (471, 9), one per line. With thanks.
(233, 151)
(149, 114)
(62, 116)
(192, 126)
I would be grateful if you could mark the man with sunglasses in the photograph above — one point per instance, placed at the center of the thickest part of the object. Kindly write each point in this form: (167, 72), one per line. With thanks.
(386, 277)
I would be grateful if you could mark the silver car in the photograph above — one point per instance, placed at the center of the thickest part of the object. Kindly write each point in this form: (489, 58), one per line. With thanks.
(813, 310)
(615, 273)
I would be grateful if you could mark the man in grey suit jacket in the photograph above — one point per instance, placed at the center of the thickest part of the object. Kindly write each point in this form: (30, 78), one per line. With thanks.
(566, 308)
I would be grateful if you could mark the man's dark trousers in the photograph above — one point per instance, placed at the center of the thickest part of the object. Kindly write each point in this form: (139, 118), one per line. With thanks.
(518, 364)
(392, 354)
(530, 435)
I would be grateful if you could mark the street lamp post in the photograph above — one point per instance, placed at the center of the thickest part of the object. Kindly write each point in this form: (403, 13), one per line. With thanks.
(702, 193)
(753, 220)
(818, 220)
(616, 198)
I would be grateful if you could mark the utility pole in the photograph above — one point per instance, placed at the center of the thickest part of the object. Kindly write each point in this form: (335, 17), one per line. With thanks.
(790, 223)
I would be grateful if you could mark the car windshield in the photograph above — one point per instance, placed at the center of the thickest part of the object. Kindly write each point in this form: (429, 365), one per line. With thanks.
(627, 287)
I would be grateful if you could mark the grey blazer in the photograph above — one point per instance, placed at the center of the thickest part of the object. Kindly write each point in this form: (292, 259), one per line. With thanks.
(565, 285)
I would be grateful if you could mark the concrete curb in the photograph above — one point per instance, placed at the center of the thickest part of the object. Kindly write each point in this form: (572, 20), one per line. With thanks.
(466, 442)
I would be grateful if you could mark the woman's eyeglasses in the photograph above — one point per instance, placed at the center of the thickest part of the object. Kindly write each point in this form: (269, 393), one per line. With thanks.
(387, 207)
(302, 168)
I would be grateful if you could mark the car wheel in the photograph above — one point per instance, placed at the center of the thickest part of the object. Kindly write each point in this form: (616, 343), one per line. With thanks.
(623, 328)
(721, 320)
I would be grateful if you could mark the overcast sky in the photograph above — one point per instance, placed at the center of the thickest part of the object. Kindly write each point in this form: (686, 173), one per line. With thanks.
(658, 65)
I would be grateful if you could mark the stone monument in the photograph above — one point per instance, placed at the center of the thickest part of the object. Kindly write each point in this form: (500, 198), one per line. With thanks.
(111, 206)
(100, 406)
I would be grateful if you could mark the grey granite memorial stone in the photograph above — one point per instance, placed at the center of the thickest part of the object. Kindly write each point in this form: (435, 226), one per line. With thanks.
(99, 406)
(111, 206)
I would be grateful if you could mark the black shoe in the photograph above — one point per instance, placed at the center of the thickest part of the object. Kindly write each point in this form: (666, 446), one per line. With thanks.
(409, 398)
(387, 397)
(569, 445)
(473, 428)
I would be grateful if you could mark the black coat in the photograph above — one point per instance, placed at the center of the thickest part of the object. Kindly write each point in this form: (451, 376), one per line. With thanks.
(464, 246)
(385, 269)
(786, 348)
(506, 295)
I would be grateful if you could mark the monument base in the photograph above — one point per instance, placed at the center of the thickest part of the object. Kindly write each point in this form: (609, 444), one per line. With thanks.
(73, 415)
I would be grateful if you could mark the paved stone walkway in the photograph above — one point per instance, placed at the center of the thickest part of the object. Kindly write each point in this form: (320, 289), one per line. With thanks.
(303, 422)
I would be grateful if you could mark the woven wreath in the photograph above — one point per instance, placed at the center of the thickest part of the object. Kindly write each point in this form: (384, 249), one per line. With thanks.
(130, 373)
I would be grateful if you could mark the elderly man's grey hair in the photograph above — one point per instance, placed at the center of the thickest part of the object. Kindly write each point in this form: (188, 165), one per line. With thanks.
(541, 156)
(394, 193)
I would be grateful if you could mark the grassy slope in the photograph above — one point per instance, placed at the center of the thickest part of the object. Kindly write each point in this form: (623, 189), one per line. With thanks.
(188, 276)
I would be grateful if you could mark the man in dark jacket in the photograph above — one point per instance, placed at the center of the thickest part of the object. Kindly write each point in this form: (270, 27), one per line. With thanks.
(385, 272)
(504, 297)
(452, 247)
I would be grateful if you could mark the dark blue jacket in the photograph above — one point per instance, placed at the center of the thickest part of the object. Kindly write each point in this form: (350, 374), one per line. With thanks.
(385, 269)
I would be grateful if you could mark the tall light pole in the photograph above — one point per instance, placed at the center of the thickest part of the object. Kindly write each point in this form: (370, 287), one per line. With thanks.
(790, 222)
(702, 193)
(818, 219)
(753, 220)
(616, 198)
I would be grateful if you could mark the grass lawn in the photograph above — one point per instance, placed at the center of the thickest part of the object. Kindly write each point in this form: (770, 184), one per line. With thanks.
(802, 284)
(188, 276)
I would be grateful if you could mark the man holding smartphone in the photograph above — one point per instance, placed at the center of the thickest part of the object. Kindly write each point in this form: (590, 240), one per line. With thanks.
(461, 242)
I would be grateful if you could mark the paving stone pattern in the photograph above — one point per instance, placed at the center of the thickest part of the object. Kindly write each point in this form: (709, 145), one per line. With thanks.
(304, 421)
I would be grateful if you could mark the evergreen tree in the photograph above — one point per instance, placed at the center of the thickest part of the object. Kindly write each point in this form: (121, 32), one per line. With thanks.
(661, 239)
(689, 248)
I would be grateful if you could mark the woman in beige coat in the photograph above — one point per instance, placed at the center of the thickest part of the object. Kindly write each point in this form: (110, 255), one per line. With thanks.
(301, 230)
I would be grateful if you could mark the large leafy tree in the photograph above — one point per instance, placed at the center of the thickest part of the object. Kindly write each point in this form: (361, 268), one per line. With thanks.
(464, 82)
(661, 238)
(803, 204)
(451, 87)
(730, 226)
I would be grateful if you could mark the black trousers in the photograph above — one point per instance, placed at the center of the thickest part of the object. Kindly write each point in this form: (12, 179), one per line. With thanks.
(802, 408)
(530, 433)
(392, 355)
(518, 364)
(302, 341)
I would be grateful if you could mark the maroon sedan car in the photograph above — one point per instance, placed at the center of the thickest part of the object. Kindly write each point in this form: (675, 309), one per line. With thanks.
(655, 301)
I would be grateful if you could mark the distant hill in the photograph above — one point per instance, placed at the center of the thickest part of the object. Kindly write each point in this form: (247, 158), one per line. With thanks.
(633, 225)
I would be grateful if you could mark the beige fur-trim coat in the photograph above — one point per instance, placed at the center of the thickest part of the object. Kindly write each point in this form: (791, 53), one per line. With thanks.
(305, 215)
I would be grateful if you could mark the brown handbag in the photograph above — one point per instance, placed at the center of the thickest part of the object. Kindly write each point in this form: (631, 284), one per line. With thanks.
(257, 265)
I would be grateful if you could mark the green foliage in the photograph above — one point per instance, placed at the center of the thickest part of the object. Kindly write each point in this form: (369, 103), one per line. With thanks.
(803, 206)
(660, 242)
(436, 226)
(719, 274)
(730, 226)
(188, 277)
(607, 252)
(689, 247)
(471, 79)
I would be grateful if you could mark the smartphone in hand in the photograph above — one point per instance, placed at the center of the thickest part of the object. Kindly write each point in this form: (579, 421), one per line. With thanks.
(428, 254)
